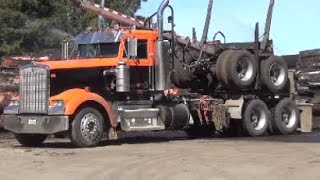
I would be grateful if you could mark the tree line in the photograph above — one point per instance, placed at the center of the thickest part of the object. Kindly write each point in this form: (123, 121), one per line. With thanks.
(39, 26)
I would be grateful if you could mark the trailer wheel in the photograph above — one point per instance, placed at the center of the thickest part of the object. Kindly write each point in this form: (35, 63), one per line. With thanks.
(222, 65)
(256, 118)
(286, 117)
(242, 69)
(274, 74)
(87, 128)
(30, 140)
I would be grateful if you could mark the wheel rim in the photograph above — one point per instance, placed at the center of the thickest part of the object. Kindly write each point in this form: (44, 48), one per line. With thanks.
(258, 119)
(244, 69)
(277, 74)
(288, 117)
(90, 126)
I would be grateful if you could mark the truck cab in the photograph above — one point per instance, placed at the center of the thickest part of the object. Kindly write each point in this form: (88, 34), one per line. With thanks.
(52, 93)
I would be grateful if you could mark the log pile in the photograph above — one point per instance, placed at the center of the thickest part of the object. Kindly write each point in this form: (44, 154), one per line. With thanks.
(308, 74)
(9, 80)
(308, 78)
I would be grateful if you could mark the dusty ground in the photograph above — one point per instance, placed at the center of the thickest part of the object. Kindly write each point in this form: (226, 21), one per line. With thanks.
(156, 156)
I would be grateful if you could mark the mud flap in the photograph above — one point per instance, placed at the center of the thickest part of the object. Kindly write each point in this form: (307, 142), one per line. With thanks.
(112, 134)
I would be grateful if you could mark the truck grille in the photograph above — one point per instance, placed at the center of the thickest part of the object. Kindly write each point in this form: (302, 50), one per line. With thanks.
(34, 90)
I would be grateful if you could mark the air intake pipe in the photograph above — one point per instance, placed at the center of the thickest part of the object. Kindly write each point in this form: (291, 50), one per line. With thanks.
(160, 66)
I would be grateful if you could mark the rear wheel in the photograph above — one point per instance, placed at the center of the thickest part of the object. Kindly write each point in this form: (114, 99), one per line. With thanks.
(274, 74)
(242, 69)
(30, 140)
(286, 117)
(87, 128)
(222, 66)
(256, 118)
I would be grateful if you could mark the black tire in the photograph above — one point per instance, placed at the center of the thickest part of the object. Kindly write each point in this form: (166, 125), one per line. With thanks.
(242, 77)
(222, 66)
(274, 74)
(87, 128)
(286, 117)
(256, 118)
(31, 140)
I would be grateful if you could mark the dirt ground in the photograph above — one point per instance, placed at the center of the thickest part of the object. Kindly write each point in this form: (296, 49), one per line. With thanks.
(165, 156)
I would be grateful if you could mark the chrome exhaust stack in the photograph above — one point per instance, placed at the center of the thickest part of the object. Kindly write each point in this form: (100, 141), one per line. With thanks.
(161, 61)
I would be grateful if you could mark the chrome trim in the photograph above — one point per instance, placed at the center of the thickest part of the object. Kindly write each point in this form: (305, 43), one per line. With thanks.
(33, 100)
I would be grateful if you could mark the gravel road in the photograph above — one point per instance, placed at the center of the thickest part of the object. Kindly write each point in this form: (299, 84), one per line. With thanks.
(165, 156)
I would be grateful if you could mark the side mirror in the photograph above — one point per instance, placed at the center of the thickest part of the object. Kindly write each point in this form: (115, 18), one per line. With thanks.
(170, 19)
(132, 47)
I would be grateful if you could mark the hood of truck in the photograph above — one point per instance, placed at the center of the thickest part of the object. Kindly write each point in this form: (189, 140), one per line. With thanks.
(81, 63)
(93, 63)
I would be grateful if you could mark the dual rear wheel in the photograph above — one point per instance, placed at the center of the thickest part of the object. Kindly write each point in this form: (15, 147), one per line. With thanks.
(239, 69)
(257, 118)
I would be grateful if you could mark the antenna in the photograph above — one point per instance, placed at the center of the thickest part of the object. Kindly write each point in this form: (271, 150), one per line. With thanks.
(101, 20)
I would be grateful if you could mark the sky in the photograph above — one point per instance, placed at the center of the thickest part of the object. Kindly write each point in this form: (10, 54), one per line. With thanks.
(295, 25)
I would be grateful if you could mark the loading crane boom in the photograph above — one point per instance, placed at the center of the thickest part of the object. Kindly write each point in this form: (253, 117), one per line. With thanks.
(108, 13)
(126, 20)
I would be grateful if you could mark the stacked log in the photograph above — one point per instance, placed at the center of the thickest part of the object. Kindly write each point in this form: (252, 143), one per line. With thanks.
(308, 74)
(308, 78)
(9, 80)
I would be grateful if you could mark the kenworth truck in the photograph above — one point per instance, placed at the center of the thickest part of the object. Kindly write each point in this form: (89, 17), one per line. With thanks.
(145, 78)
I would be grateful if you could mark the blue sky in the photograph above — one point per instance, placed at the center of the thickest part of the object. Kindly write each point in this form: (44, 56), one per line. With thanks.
(296, 24)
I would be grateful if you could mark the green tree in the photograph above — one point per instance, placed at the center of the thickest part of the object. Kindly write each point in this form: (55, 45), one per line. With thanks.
(39, 26)
(128, 7)
(26, 28)
(12, 22)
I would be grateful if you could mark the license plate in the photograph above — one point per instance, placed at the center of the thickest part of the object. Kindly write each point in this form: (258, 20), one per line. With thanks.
(32, 122)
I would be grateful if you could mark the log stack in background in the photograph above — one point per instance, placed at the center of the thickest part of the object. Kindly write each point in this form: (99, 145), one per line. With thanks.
(9, 80)
(308, 78)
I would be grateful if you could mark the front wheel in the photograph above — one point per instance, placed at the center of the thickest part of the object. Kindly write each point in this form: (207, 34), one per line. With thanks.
(30, 140)
(256, 118)
(87, 128)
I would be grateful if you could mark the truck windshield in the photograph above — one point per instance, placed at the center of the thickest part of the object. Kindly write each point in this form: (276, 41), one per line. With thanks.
(107, 50)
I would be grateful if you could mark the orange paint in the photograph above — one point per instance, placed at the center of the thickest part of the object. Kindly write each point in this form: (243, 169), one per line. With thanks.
(150, 36)
(74, 98)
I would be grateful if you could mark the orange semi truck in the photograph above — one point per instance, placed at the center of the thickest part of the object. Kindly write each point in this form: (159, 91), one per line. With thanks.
(150, 79)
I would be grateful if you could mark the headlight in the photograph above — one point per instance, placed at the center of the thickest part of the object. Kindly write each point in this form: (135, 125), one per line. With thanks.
(14, 103)
(58, 103)
(57, 107)
(12, 108)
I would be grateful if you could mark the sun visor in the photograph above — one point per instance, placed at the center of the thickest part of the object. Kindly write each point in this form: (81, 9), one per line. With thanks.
(95, 38)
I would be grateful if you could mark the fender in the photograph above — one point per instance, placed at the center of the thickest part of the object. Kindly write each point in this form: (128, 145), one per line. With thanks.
(74, 98)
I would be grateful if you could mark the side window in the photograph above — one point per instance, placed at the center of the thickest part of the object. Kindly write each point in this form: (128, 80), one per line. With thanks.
(142, 49)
